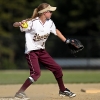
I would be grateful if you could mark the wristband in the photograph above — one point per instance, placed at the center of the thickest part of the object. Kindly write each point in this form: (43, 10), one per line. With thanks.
(67, 41)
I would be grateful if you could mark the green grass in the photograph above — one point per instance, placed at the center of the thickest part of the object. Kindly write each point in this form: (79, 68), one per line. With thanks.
(74, 76)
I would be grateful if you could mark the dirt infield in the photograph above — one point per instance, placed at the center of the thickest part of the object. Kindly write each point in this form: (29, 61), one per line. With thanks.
(50, 92)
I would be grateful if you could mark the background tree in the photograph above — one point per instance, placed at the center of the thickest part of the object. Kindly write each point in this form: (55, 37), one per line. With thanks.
(74, 18)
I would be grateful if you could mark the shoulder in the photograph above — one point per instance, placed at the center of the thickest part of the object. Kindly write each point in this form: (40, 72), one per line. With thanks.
(35, 19)
(50, 20)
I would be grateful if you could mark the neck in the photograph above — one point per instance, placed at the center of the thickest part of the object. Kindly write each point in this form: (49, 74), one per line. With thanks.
(43, 19)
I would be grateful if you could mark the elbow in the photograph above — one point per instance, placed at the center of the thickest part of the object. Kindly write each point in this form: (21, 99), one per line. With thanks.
(13, 24)
(16, 24)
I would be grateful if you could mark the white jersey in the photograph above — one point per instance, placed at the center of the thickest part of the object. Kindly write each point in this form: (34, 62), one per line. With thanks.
(37, 33)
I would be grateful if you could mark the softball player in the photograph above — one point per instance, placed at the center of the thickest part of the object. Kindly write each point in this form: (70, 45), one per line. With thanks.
(37, 30)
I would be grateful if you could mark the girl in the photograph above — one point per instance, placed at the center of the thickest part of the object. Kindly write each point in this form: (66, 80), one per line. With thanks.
(37, 30)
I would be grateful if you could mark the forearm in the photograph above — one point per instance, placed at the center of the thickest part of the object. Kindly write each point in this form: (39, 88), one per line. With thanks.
(59, 34)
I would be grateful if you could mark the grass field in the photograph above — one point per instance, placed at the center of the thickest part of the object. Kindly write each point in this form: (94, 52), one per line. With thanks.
(70, 76)
(46, 87)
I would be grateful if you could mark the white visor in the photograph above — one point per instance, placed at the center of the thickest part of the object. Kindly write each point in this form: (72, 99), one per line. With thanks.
(49, 8)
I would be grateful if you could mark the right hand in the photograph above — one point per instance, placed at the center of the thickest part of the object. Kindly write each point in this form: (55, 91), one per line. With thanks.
(23, 24)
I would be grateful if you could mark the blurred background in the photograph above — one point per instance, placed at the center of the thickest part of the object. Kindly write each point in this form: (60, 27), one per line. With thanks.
(74, 18)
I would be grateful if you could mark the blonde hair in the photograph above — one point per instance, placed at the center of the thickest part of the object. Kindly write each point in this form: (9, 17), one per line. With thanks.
(36, 10)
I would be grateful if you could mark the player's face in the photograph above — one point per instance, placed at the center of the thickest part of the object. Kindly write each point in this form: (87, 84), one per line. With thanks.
(48, 14)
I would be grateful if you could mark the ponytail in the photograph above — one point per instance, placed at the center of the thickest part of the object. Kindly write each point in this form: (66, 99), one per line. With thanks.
(34, 15)
(37, 11)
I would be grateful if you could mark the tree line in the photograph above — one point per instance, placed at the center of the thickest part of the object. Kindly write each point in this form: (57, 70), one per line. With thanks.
(74, 18)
